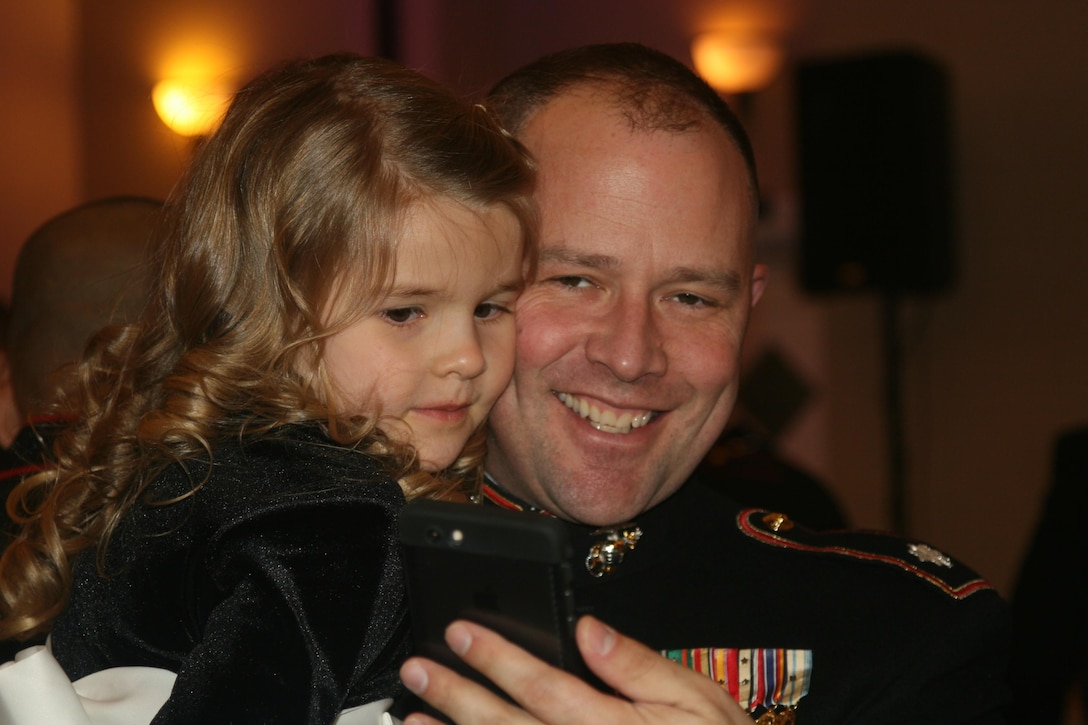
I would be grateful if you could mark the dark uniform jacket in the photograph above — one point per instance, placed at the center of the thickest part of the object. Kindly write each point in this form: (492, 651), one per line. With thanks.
(275, 591)
(826, 628)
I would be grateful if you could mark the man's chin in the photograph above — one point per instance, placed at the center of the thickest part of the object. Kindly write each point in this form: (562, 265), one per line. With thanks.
(603, 509)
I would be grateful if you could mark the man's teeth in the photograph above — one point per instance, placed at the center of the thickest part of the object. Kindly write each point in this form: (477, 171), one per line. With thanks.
(606, 421)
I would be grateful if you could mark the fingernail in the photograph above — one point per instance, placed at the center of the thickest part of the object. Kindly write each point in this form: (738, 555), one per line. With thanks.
(414, 677)
(602, 638)
(458, 638)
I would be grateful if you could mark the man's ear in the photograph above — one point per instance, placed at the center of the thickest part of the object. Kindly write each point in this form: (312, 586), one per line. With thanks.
(759, 282)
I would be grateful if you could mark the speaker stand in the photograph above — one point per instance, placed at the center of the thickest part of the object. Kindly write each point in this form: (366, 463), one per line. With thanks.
(893, 409)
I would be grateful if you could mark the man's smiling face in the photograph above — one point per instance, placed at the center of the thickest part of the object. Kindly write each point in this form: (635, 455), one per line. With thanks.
(628, 342)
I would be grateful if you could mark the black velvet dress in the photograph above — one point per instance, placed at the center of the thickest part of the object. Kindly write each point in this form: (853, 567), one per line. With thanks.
(275, 592)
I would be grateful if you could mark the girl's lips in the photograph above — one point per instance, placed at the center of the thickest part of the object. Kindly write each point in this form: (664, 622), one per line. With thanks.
(445, 413)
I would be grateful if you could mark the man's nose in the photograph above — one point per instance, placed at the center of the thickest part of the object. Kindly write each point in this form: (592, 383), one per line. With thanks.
(628, 341)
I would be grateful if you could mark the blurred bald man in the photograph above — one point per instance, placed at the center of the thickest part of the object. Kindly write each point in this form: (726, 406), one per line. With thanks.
(79, 272)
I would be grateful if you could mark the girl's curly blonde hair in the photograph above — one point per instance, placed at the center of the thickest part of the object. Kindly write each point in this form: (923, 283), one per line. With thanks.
(299, 194)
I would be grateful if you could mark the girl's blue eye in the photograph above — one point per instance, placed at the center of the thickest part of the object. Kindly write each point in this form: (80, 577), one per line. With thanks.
(402, 315)
(489, 310)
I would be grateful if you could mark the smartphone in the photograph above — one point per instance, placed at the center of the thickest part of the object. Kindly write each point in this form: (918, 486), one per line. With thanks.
(506, 570)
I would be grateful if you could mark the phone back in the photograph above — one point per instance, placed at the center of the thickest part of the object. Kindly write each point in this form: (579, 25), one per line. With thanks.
(508, 571)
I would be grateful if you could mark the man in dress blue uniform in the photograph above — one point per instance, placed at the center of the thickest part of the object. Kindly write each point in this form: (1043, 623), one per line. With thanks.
(627, 367)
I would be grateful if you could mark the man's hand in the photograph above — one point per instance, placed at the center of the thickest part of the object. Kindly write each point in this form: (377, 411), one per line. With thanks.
(656, 689)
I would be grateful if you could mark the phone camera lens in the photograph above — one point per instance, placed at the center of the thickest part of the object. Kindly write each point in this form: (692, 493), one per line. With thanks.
(434, 535)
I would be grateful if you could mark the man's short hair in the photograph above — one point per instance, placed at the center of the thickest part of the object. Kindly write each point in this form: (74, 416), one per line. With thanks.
(652, 90)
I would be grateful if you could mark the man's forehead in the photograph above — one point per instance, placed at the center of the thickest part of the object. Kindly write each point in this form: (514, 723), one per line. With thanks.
(571, 128)
(583, 131)
(589, 111)
(604, 188)
(574, 105)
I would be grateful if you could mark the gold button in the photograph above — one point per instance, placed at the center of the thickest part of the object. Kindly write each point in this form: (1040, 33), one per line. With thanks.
(778, 522)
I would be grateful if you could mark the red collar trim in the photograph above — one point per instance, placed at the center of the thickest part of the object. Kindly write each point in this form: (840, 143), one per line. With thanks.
(500, 499)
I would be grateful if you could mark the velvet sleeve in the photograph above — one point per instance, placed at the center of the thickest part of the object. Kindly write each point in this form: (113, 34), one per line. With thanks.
(303, 615)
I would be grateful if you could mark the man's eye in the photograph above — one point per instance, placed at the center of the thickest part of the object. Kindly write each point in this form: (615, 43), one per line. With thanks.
(402, 315)
(489, 311)
(692, 300)
(572, 280)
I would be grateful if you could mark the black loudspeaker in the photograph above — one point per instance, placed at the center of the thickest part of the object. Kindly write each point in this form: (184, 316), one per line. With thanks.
(875, 172)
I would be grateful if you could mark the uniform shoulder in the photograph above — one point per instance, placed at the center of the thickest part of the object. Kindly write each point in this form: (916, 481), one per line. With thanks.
(918, 559)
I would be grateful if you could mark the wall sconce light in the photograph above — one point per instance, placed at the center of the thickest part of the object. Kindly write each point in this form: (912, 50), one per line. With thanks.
(189, 108)
(736, 63)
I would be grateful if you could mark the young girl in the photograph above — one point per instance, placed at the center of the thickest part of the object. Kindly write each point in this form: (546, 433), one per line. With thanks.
(330, 326)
